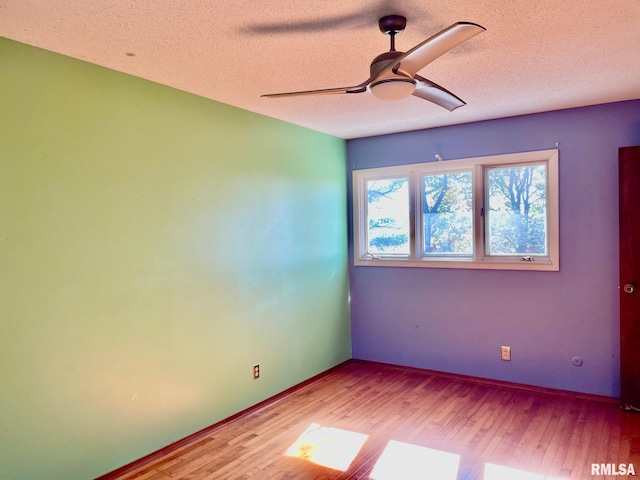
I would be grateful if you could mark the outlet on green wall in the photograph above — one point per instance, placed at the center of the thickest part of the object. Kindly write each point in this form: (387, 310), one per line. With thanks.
(154, 247)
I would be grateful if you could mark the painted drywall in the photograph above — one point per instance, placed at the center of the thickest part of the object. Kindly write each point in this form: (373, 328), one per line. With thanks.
(154, 246)
(456, 320)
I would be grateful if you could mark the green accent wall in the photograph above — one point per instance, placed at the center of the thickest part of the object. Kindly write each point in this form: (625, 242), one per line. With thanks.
(154, 246)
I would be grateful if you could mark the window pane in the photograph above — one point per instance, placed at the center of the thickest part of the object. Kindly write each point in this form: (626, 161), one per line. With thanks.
(447, 202)
(517, 210)
(388, 216)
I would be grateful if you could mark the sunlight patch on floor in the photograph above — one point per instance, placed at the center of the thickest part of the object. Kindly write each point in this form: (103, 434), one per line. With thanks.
(328, 446)
(498, 472)
(404, 460)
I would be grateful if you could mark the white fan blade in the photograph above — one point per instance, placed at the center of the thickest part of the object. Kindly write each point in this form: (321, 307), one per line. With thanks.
(426, 52)
(327, 91)
(433, 92)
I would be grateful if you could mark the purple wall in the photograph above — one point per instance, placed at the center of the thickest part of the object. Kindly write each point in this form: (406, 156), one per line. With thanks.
(455, 320)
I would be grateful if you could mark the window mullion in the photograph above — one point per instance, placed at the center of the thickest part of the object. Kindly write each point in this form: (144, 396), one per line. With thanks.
(414, 215)
(479, 213)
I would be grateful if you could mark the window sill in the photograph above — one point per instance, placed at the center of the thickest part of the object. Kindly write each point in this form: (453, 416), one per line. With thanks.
(542, 265)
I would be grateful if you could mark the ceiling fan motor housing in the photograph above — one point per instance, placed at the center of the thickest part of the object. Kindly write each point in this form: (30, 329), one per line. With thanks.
(392, 87)
(382, 61)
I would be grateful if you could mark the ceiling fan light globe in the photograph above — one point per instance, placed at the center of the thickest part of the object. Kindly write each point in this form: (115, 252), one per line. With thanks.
(393, 89)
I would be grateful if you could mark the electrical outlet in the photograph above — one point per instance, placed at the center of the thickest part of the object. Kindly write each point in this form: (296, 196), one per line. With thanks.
(256, 372)
(505, 353)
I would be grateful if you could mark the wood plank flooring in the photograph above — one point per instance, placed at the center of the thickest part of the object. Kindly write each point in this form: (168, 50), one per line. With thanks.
(394, 423)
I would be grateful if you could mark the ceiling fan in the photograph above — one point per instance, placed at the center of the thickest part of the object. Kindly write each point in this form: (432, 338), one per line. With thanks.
(394, 75)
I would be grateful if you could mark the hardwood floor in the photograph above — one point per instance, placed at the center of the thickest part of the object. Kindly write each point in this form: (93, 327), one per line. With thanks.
(381, 422)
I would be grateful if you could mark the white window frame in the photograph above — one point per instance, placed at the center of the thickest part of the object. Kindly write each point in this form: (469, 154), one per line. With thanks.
(478, 260)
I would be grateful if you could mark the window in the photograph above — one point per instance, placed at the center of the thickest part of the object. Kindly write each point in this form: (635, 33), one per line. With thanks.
(498, 212)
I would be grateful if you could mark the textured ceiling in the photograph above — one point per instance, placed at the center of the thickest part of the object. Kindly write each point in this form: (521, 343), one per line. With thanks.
(535, 55)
